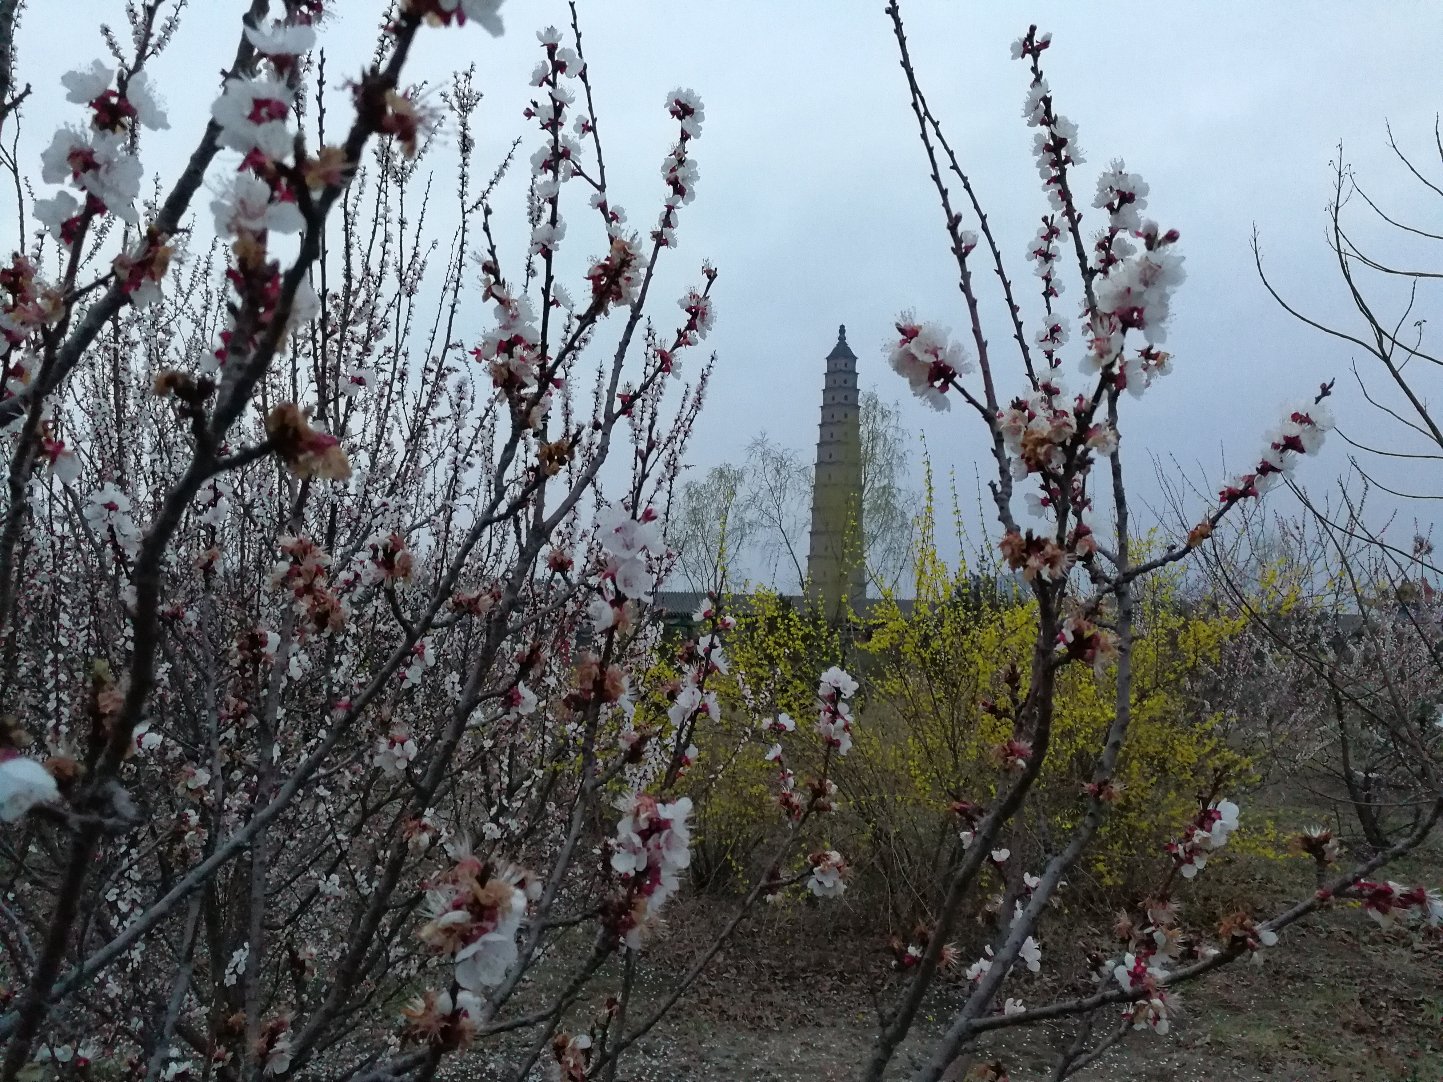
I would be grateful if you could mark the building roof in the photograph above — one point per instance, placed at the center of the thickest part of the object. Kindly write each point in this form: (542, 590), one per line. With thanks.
(841, 351)
(679, 605)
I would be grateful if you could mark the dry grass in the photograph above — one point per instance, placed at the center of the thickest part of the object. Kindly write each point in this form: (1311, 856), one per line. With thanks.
(791, 1000)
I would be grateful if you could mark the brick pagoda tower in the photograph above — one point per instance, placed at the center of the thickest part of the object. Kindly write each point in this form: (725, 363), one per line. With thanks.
(836, 574)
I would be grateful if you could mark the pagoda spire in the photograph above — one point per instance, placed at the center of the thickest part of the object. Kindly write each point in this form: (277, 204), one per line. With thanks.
(836, 573)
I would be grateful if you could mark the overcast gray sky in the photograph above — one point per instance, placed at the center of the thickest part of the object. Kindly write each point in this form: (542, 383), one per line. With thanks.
(815, 204)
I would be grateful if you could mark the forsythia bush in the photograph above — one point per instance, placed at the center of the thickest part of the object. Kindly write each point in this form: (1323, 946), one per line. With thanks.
(947, 677)
(940, 679)
(768, 677)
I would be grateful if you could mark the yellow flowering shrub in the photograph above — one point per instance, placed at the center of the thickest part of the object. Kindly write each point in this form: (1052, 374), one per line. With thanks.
(926, 732)
(773, 658)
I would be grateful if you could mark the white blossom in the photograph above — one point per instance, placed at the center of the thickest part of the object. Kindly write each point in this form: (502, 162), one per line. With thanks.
(23, 784)
(1031, 954)
(85, 85)
(484, 963)
(685, 105)
(545, 238)
(826, 880)
(838, 680)
(254, 115)
(236, 966)
(652, 838)
(143, 100)
(97, 162)
(485, 12)
(108, 510)
(1123, 195)
(54, 212)
(281, 39)
(927, 360)
(248, 206)
(395, 751)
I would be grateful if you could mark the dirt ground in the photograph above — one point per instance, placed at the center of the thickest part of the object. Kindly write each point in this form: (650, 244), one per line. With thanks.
(1345, 1002)
(791, 1000)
